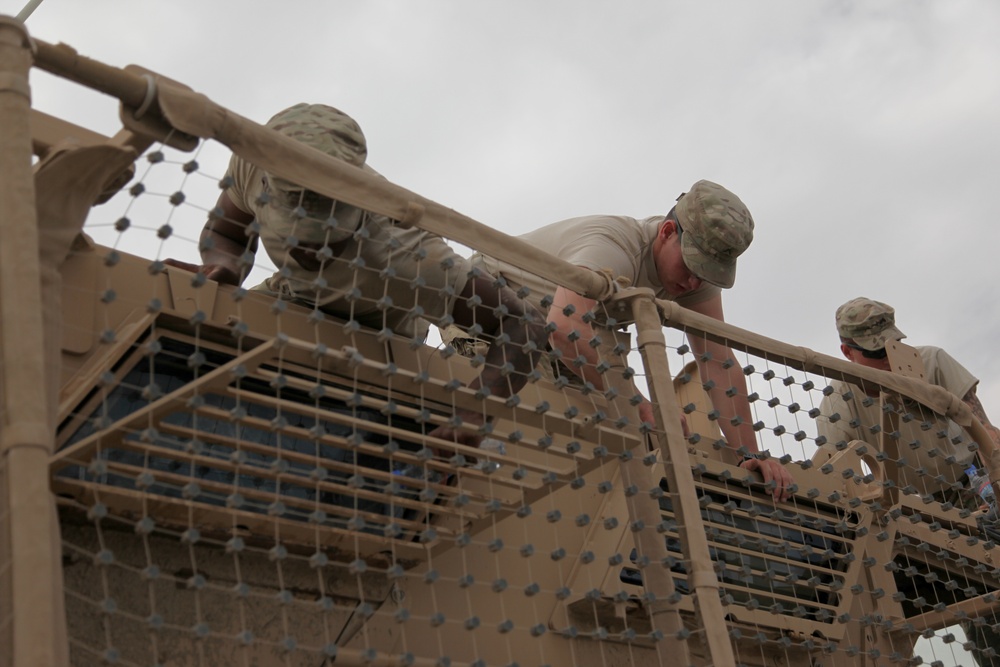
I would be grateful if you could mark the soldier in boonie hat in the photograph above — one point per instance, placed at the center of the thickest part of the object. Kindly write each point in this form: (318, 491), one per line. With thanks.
(686, 256)
(717, 228)
(335, 133)
(869, 323)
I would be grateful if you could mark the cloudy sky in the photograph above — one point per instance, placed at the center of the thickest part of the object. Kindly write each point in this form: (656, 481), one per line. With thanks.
(862, 135)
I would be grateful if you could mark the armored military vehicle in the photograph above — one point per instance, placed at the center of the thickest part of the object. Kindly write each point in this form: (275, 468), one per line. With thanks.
(195, 473)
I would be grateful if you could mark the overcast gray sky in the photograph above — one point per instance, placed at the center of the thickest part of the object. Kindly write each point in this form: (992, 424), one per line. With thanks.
(862, 135)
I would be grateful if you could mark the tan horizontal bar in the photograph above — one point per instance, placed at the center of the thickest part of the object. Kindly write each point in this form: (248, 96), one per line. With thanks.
(153, 412)
(196, 115)
(405, 411)
(300, 457)
(257, 471)
(132, 471)
(299, 432)
(973, 608)
(180, 513)
(433, 389)
(48, 131)
(754, 592)
(804, 359)
(64, 61)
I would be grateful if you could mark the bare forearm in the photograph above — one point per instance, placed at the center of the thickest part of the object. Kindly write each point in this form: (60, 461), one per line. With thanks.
(728, 391)
(216, 248)
(729, 396)
(578, 354)
(226, 245)
(736, 421)
(573, 338)
(583, 358)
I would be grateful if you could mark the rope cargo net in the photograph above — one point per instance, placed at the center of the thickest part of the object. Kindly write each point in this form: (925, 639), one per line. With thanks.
(248, 478)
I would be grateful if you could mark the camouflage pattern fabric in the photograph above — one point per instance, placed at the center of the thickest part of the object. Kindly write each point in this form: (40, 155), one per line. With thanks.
(870, 323)
(308, 216)
(717, 229)
(324, 128)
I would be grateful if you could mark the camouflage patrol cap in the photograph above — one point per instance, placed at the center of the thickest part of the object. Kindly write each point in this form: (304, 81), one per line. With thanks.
(335, 133)
(717, 228)
(324, 128)
(871, 324)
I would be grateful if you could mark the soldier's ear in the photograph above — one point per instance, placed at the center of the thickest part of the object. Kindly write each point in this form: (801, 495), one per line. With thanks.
(667, 228)
(846, 351)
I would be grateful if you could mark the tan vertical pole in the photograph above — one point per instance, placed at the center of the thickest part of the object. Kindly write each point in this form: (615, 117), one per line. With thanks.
(644, 511)
(890, 446)
(25, 433)
(677, 470)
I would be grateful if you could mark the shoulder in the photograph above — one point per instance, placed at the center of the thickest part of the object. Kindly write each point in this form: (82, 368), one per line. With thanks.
(245, 183)
(944, 370)
(834, 396)
(240, 169)
(936, 357)
(932, 353)
(598, 225)
(836, 412)
(586, 240)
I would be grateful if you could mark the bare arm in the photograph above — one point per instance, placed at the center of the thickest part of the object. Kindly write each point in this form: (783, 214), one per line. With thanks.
(571, 336)
(223, 241)
(735, 408)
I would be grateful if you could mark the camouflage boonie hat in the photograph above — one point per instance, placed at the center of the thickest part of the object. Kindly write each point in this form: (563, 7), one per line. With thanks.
(335, 133)
(871, 324)
(717, 228)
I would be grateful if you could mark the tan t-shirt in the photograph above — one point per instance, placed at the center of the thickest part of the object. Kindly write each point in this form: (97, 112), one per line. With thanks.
(618, 243)
(426, 274)
(927, 428)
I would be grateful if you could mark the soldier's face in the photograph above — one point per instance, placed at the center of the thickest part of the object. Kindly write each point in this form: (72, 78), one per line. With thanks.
(857, 357)
(315, 205)
(673, 273)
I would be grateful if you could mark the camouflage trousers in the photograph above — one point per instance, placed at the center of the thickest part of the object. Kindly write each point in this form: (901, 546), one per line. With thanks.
(548, 366)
